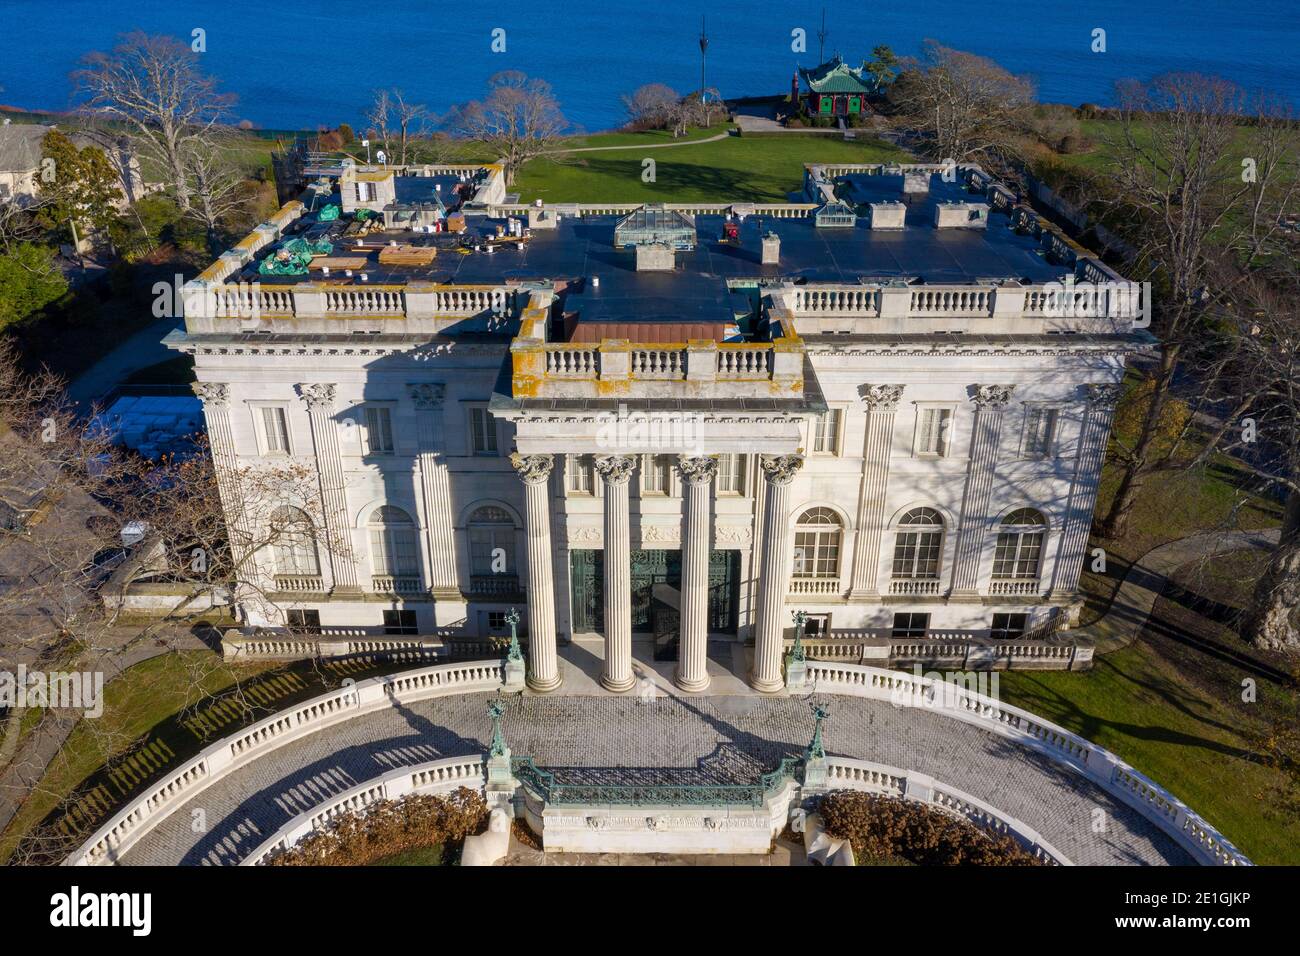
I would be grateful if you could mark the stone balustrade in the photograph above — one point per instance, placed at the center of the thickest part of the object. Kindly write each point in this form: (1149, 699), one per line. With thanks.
(847, 774)
(1117, 778)
(699, 368)
(218, 306)
(433, 777)
(216, 761)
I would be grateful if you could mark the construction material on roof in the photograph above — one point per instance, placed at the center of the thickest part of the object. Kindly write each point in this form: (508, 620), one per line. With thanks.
(339, 263)
(309, 248)
(407, 255)
(284, 262)
(653, 223)
(328, 213)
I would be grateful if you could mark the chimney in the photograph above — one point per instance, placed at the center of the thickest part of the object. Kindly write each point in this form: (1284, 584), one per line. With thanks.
(771, 249)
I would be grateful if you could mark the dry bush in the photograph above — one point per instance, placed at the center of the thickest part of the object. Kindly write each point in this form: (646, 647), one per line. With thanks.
(389, 827)
(886, 827)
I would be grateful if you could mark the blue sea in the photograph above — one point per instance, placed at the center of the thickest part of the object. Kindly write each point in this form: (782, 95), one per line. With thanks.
(304, 63)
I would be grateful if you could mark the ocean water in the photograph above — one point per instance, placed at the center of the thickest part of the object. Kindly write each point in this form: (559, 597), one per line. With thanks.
(303, 63)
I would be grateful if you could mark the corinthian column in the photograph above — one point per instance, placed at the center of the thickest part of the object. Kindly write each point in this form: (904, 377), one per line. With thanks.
(989, 401)
(1093, 435)
(881, 402)
(693, 648)
(769, 633)
(435, 500)
(319, 397)
(543, 667)
(615, 470)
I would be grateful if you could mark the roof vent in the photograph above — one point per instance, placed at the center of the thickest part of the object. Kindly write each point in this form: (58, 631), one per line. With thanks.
(961, 215)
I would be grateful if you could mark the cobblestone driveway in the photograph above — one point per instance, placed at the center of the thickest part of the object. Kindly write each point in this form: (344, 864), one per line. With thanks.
(723, 739)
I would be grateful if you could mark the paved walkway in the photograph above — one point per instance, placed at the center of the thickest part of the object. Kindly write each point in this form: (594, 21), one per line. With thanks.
(602, 149)
(687, 740)
(1131, 607)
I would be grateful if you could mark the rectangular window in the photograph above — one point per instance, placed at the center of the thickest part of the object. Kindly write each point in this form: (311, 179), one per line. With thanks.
(482, 432)
(911, 625)
(817, 625)
(379, 430)
(816, 554)
(580, 475)
(1008, 626)
(932, 431)
(365, 192)
(1018, 554)
(275, 430)
(496, 620)
(826, 432)
(400, 622)
(916, 554)
(657, 475)
(731, 474)
(304, 622)
(1040, 432)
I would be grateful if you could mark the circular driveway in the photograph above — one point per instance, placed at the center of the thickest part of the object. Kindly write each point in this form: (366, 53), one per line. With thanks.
(692, 740)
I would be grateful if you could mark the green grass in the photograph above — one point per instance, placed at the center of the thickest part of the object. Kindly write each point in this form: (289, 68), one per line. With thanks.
(736, 168)
(1171, 705)
(417, 856)
(158, 714)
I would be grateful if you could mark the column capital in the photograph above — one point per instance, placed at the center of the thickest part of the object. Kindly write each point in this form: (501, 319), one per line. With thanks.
(1101, 397)
(212, 393)
(317, 394)
(993, 397)
(780, 469)
(615, 469)
(533, 469)
(698, 470)
(882, 398)
(426, 395)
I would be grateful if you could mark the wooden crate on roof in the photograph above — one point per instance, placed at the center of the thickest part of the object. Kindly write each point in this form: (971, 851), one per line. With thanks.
(407, 255)
(339, 262)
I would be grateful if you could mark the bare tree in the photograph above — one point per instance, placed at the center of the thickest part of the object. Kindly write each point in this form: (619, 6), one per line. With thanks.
(519, 118)
(380, 116)
(653, 106)
(965, 107)
(154, 87)
(410, 118)
(1176, 164)
(1249, 365)
(217, 187)
(65, 575)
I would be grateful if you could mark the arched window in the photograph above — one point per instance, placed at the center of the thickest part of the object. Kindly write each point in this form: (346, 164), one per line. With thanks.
(918, 544)
(491, 542)
(1020, 545)
(294, 542)
(393, 547)
(817, 544)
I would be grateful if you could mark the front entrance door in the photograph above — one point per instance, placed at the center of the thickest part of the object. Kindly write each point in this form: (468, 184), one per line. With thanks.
(648, 569)
(651, 567)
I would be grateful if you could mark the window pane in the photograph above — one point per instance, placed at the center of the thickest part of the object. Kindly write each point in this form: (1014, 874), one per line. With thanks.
(379, 430)
(276, 429)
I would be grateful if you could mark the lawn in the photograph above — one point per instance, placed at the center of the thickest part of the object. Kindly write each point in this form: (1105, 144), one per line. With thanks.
(735, 168)
(1171, 705)
(158, 714)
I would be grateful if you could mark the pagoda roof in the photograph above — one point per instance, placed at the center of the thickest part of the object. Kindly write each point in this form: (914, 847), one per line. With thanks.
(836, 76)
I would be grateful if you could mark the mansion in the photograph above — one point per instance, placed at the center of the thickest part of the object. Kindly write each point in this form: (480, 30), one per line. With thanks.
(885, 404)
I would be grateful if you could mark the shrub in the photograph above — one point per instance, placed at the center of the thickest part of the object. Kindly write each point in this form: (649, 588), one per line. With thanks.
(1090, 111)
(389, 827)
(1074, 143)
(886, 827)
